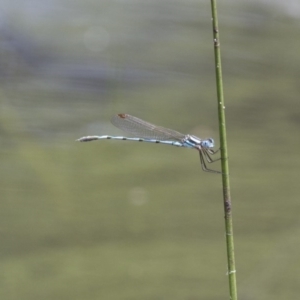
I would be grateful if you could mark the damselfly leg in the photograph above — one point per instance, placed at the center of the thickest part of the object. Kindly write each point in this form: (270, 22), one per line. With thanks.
(203, 154)
(207, 154)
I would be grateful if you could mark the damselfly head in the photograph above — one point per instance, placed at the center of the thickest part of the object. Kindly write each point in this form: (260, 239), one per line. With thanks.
(209, 143)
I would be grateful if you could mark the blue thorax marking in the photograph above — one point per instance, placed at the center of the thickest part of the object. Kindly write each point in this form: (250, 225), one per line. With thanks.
(192, 141)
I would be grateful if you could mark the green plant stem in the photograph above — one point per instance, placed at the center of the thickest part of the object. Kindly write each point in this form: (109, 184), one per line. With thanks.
(224, 157)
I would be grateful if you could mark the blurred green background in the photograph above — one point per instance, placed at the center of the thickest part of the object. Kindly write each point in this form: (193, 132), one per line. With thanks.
(121, 220)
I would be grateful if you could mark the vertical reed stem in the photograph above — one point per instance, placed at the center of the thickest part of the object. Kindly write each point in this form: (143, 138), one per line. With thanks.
(224, 157)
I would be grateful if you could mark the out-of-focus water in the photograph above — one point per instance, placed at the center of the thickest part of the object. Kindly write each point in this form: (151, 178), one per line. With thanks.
(121, 220)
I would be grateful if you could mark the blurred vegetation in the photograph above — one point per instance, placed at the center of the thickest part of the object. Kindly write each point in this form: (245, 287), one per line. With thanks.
(117, 220)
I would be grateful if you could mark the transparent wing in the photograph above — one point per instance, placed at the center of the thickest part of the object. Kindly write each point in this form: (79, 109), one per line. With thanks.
(143, 129)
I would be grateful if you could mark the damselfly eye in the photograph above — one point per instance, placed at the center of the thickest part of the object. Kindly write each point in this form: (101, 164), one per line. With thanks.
(209, 143)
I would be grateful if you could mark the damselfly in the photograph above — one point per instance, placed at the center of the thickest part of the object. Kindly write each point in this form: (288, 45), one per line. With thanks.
(147, 132)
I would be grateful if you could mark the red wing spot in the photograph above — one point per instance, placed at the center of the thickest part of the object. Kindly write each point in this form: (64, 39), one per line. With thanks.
(123, 116)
